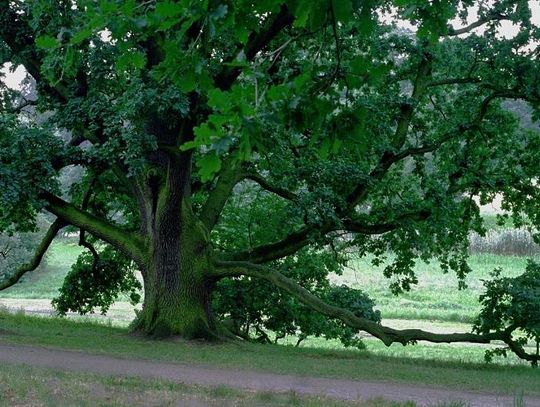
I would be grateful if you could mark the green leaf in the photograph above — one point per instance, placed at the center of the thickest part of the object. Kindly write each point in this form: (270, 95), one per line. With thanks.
(131, 59)
(219, 100)
(190, 145)
(203, 136)
(80, 36)
(343, 10)
(301, 13)
(46, 42)
(208, 166)
(107, 7)
(168, 9)
(187, 82)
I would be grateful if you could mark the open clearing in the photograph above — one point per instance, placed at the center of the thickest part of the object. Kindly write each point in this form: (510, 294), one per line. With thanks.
(90, 347)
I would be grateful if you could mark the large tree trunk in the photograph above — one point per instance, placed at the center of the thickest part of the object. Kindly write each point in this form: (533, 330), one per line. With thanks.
(176, 285)
(180, 307)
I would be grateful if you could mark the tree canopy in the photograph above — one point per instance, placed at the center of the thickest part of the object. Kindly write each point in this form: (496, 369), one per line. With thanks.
(230, 142)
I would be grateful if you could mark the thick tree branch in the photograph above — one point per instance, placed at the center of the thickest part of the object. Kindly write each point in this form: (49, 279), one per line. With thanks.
(303, 237)
(24, 104)
(129, 243)
(297, 240)
(82, 233)
(285, 247)
(402, 129)
(389, 158)
(380, 228)
(229, 177)
(419, 90)
(19, 37)
(38, 255)
(385, 334)
(273, 25)
(90, 247)
(453, 81)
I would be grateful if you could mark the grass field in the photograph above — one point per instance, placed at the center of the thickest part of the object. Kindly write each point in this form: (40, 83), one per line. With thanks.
(435, 303)
(44, 283)
(436, 297)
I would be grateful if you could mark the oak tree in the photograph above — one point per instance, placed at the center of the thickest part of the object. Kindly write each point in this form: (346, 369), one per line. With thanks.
(232, 141)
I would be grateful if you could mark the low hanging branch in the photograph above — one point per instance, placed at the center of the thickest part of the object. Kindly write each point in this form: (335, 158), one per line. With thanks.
(57, 225)
(386, 334)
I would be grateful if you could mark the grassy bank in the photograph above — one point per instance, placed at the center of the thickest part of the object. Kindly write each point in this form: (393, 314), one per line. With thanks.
(44, 283)
(337, 363)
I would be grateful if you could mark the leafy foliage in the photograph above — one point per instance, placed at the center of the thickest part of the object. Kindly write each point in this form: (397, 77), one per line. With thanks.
(96, 283)
(25, 154)
(254, 309)
(510, 303)
(18, 248)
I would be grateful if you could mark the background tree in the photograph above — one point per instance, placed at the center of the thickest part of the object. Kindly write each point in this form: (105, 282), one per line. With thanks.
(355, 133)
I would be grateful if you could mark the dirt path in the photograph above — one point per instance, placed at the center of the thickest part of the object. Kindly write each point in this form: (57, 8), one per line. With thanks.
(206, 376)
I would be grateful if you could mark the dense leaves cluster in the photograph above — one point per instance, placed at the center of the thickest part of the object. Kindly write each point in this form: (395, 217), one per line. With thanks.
(510, 303)
(256, 309)
(97, 282)
(25, 161)
(18, 248)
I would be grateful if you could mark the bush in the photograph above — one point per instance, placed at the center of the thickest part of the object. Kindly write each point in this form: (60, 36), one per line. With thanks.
(96, 283)
(510, 304)
(255, 310)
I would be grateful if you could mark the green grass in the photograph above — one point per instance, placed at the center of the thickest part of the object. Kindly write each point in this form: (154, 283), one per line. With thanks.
(491, 222)
(436, 297)
(426, 365)
(31, 386)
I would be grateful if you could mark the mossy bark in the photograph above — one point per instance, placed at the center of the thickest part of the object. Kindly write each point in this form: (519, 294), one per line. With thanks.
(177, 288)
(179, 309)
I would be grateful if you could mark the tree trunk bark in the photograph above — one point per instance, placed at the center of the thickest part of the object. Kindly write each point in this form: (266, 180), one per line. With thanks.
(176, 284)
(179, 309)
